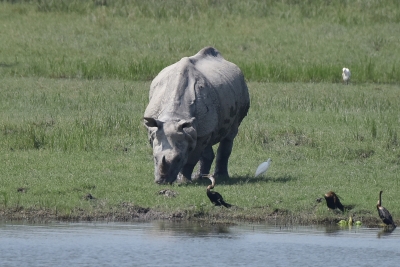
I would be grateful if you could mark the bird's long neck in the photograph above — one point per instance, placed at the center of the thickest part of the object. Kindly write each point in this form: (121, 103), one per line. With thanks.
(212, 179)
(380, 199)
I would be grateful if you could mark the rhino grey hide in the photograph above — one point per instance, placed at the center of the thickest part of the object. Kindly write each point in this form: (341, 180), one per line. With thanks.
(194, 104)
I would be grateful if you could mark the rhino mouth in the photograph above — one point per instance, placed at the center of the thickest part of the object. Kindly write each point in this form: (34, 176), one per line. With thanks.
(165, 180)
(168, 170)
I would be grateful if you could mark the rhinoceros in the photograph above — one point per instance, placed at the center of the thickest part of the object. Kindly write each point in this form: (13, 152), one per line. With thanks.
(194, 104)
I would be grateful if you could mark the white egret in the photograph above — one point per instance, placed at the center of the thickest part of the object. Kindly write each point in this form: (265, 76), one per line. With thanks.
(346, 75)
(263, 167)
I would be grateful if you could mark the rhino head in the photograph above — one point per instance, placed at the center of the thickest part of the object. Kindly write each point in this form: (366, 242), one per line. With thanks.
(172, 141)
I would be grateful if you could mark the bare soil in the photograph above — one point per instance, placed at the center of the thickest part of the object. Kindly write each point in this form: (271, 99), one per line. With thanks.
(126, 212)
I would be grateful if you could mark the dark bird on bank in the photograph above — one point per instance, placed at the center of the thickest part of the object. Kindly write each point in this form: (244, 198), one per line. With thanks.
(333, 201)
(167, 193)
(22, 190)
(384, 214)
(215, 197)
(88, 196)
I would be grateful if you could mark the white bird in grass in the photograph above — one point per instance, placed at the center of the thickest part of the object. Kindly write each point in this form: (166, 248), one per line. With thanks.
(346, 75)
(263, 167)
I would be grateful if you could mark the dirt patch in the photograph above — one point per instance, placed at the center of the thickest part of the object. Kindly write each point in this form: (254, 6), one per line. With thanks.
(126, 212)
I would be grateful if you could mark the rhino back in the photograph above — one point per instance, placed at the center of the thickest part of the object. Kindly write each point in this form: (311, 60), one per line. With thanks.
(227, 86)
(204, 86)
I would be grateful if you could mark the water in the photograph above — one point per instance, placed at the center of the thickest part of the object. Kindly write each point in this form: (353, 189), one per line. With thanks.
(190, 244)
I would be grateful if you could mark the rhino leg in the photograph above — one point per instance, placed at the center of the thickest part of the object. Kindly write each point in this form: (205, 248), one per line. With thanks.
(205, 162)
(223, 153)
(186, 172)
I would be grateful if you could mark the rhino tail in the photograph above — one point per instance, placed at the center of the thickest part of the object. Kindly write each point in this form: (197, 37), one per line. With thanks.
(209, 51)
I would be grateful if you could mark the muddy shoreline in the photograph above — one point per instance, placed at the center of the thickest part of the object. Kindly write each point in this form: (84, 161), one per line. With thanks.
(129, 213)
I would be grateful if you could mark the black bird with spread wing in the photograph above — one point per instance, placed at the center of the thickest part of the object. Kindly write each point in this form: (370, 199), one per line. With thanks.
(215, 197)
(384, 214)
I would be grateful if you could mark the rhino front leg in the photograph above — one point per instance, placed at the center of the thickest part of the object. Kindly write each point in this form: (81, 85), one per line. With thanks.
(223, 153)
(205, 162)
(186, 172)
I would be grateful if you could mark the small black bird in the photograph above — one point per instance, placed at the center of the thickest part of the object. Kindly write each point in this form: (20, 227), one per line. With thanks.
(215, 197)
(384, 214)
(332, 201)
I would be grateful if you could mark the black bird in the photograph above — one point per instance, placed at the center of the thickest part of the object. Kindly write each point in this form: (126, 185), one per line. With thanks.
(215, 197)
(333, 201)
(384, 214)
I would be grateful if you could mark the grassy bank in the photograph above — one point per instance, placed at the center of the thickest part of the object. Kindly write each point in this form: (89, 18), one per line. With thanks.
(61, 139)
(74, 85)
(272, 41)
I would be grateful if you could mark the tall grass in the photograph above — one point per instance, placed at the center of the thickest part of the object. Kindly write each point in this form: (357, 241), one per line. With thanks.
(354, 12)
(284, 41)
(71, 118)
(319, 118)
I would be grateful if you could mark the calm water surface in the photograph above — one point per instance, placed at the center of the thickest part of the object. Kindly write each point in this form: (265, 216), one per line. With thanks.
(190, 244)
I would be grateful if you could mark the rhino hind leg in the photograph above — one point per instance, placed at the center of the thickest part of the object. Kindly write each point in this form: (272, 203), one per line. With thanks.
(223, 153)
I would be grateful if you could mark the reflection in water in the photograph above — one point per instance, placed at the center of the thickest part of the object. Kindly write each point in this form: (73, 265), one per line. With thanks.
(164, 243)
(385, 231)
(190, 229)
(332, 229)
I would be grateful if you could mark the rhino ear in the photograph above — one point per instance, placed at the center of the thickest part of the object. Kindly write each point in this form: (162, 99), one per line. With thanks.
(150, 122)
(185, 124)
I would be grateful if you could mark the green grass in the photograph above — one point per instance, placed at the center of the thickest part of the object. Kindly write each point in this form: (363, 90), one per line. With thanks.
(75, 77)
(62, 139)
(272, 41)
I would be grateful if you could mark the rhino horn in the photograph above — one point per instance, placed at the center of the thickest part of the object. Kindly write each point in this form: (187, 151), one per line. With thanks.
(163, 166)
